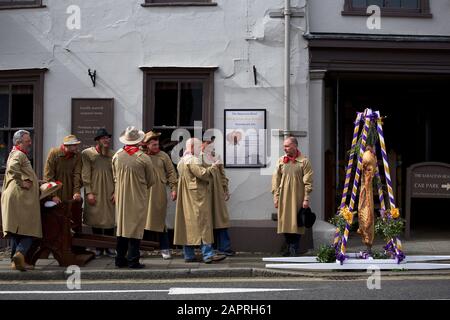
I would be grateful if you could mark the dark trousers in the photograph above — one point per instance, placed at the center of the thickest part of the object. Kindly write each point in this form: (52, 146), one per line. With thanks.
(21, 244)
(101, 231)
(164, 243)
(127, 251)
(293, 242)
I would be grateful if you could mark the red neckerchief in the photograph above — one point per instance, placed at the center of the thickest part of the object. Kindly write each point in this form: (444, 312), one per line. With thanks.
(97, 147)
(286, 158)
(67, 154)
(131, 149)
(18, 148)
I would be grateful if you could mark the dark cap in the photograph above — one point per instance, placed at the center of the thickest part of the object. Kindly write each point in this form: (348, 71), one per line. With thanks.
(102, 133)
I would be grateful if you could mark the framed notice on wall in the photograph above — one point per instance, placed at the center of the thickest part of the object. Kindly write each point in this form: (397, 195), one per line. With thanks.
(245, 138)
(89, 115)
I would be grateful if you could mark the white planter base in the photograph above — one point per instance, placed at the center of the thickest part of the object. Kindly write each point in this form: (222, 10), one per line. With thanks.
(354, 259)
(359, 266)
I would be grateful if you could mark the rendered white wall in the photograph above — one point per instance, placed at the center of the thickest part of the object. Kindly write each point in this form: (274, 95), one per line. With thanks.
(119, 36)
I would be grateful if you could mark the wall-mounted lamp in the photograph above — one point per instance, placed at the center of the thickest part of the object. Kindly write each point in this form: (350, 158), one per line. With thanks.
(92, 75)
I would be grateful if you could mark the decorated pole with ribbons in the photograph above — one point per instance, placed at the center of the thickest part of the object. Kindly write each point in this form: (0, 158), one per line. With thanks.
(367, 118)
(348, 172)
(394, 245)
(385, 161)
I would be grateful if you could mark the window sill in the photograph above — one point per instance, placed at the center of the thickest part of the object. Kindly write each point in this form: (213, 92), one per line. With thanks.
(22, 7)
(390, 13)
(180, 4)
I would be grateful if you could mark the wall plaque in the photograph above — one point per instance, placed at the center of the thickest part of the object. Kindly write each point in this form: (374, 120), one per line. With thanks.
(89, 115)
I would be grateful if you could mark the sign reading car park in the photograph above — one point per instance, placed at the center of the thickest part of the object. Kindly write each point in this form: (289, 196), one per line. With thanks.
(426, 180)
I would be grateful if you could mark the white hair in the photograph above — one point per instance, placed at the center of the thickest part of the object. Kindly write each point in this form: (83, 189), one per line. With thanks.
(192, 142)
(18, 135)
(292, 139)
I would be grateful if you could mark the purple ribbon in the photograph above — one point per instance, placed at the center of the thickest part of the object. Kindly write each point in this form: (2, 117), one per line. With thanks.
(373, 117)
(364, 255)
(341, 257)
(400, 256)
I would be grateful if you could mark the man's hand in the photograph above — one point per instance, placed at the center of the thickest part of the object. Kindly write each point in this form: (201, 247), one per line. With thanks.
(26, 184)
(113, 198)
(91, 199)
(226, 196)
(305, 204)
(56, 199)
(275, 202)
(173, 195)
(77, 197)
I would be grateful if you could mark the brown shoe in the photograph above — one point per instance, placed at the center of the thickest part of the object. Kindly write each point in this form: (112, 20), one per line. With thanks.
(215, 258)
(27, 266)
(19, 261)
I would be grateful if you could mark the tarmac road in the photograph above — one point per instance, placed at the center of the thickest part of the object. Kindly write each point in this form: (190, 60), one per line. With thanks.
(399, 288)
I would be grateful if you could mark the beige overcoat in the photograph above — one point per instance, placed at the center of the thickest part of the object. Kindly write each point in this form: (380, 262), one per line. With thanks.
(291, 185)
(133, 176)
(157, 205)
(97, 179)
(68, 171)
(193, 218)
(218, 186)
(21, 213)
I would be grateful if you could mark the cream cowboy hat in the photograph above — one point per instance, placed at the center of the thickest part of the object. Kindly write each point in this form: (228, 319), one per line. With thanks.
(70, 140)
(49, 188)
(151, 135)
(131, 136)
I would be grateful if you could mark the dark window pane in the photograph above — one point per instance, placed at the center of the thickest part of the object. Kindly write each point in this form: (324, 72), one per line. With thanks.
(359, 3)
(191, 102)
(22, 106)
(410, 4)
(393, 3)
(4, 106)
(18, 2)
(166, 94)
(5, 146)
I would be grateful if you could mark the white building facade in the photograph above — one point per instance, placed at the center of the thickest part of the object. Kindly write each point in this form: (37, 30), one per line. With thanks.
(143, 51)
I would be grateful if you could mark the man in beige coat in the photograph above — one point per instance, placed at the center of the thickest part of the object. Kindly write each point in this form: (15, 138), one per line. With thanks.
(133, 176)
(99, 188)
(291, 188)
(21, 214)
(193, 218)
(218, 185)
(157, 204)
(64, 164)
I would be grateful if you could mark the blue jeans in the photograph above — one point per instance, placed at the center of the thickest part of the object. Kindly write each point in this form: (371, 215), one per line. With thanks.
(207, 251)
(21, 244)
(222, 240)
